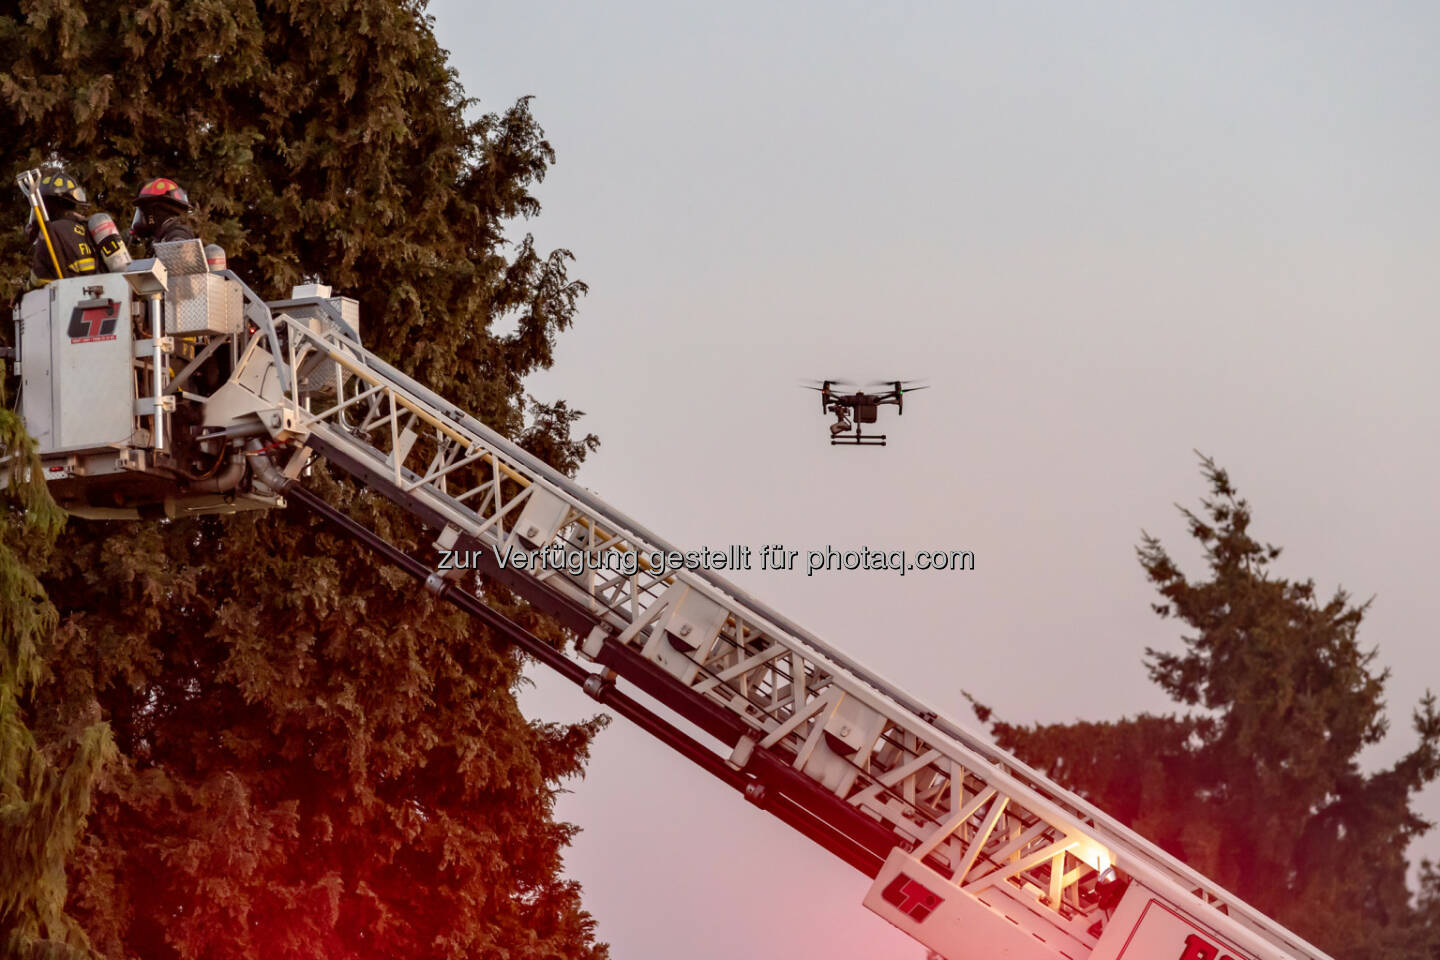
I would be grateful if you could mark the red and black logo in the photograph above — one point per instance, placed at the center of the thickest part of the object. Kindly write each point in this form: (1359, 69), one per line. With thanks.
(94, 320)
(914, 899)
(1198, 949)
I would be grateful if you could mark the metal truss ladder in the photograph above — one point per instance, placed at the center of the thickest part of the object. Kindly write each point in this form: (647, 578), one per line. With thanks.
(951, 827)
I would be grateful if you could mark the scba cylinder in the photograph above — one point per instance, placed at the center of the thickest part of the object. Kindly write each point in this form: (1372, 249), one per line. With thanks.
(215, 257)
(107, 238)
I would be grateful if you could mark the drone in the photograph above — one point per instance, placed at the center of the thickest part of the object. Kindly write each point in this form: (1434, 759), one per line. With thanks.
(853, 406)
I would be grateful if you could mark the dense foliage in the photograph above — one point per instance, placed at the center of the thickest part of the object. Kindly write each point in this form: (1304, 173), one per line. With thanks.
(45, 790)
(1259, 785)
(312, 758)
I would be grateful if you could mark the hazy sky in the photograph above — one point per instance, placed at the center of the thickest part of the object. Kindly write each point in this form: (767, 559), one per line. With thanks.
(1109, 234)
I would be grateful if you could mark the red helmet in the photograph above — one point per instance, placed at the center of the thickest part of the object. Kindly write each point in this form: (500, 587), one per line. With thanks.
(164, 190)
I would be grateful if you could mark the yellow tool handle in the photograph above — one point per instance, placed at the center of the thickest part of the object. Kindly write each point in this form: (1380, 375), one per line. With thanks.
(45, 232)
(30, 183)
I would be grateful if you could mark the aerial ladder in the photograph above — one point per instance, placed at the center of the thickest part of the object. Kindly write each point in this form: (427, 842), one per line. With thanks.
(170, 389)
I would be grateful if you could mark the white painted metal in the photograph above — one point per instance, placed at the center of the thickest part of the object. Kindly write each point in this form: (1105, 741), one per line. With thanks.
(913, 898)
(685, 628)
(542, 518)
(1146, 925)
(77, 391)
(158, 373)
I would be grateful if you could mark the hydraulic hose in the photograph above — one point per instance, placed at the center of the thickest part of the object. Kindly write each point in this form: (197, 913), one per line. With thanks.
(225, 481)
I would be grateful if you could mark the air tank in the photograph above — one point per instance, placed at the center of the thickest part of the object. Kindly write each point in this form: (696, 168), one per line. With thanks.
(107, 237)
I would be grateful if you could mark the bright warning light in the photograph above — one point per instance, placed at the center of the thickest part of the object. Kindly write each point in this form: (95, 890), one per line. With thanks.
(1092, 854)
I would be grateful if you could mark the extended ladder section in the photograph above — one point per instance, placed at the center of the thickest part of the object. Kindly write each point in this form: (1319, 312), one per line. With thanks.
(973, 853)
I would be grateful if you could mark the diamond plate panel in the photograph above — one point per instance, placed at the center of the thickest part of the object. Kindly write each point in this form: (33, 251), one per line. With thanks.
(203, 303)
(182, 257)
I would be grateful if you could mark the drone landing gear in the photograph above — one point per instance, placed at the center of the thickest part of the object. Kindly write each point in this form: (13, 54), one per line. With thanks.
(859, 440)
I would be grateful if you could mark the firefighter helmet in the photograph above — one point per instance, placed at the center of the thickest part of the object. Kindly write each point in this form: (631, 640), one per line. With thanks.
(60, 186)
(163, 190)
(159, 201)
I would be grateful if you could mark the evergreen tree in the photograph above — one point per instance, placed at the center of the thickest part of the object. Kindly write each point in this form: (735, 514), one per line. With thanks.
(314, 758)
(1258, 786)
(1424, 938)
(42, 807)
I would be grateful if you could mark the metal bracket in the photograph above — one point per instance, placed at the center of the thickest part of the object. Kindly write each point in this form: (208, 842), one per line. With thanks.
(598, 684)
(297, 462)
(145, 349)
(146, 406)
(282, 422)
(594, 642)
(740, 757)
(448, 538)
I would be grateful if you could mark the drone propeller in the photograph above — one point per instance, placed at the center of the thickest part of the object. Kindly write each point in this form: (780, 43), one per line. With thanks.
(825, 388)
(899, 388)
(903, 385)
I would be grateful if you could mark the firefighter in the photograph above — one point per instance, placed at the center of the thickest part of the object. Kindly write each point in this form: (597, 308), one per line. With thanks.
(69, 246)
(159, 212)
